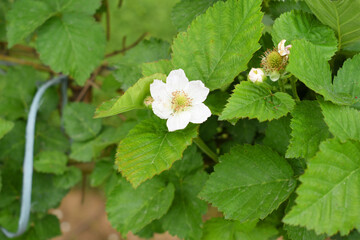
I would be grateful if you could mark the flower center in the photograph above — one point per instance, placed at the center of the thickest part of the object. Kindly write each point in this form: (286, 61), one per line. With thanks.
(180, 101)
(274, 59)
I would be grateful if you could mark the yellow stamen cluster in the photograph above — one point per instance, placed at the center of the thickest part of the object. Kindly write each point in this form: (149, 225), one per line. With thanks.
(180, 101)
(273, 61)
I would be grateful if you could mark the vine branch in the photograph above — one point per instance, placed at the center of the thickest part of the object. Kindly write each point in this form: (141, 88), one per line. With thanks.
(124, 49)
(37, 66)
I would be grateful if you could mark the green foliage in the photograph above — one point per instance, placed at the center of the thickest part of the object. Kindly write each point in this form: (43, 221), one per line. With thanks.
(309, 63)
(150, 148)
(5, 127)
(78, 121)
(215, 53)
(70, 178)
(184, 218)
(50, 162)
(162, 66)
(256, 101)
(132, 99)
(331, 180)
(277, 135)
(132, 209)
(249, 183)
(102, 171)
(82, 45)
(60, 23)
(342, 121)
(347, 80)
(185, 11)
(342, 17)
(219, 228)
(308, 130)
(299, 25)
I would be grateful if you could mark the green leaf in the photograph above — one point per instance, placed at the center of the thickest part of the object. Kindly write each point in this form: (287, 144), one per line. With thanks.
(25, 17)
(185, 11)
(256, 101)
(150, 148)
(50, 162)
(277, 135)
(347, 80)
(299, 25)
(162, 66)
(342, 16)
(342, 121)
(45, 194)
(129, 67)
(297, 232)
(249, 183)
(328, 198)
(132, 99)
(132, 209)
(5, 127)
(0, 181)
(13, 144)
(101, 172)
(78, 121)
(309, 63)
(86, 151)
(82, 42)
(184, 218)
(216, 53)
(216, 101)
(276, 8)
(308, 130)
(46, 227)
(219, 228)
(17, 88)
(82, 6)
(70, 178)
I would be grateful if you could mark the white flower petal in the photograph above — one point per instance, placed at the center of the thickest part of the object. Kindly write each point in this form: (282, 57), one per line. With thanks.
(178, 121)
(177, 81)
(256, 75)
(197, 91)
(199, 113)
(158, 90)
(162, 109)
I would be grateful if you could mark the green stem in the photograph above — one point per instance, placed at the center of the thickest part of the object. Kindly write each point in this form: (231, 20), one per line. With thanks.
(200, 143)
(294, 91)
(281, 85)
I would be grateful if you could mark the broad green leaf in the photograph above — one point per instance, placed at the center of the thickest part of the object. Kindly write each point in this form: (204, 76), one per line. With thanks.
(150, 148)
(276, 8)
(347, 80)
(185, 11)
(70, 178)
(132, 99)
(162, 66)
(277, 135)
(243, 131)
(219, 228)
(256, 101)
(184, 218)
(5, 127)
(12, 145)
(297, 232)
(82, 42)
(249, 183)
(299, 25)
(50, 162)
(50, 138)
(148, 231)
(45, 194)
(328, 198)
(309, 63)
(308, 130)
(47, 227)
(130, 209)
(79, 122)
(0, 181)
(25, 17)
(216, 53)
(101, 172)
(82, 6)
(340, 15)
(354, 235)
(343, 121)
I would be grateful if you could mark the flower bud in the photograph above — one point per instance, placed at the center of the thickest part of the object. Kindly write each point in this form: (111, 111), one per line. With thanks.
(256, 75)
